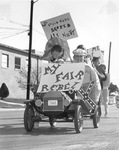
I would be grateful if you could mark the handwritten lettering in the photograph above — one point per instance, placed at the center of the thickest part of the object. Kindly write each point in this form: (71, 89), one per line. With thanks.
(54, 35)
(69, 33)
(69, 76)
(73, 86)
(62, 77)
(52, 69)
(79, 75)
(60, 27)
(59, 87)
(44, 23)
(64, 20)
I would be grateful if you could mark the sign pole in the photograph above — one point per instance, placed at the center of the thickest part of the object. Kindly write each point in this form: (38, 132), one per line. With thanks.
(109, 57)
(29, 55)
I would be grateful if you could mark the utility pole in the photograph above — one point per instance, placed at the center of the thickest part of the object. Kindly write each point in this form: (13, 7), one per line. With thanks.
(109, 57)
(30, 47)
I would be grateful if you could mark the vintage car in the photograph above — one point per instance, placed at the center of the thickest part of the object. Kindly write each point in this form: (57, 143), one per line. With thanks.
(65, 93)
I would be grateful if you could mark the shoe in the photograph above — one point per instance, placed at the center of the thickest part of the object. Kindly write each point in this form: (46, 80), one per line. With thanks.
(105, 114)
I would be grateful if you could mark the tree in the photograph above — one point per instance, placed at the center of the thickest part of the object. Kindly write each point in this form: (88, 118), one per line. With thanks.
(4, 92)
(35, 79)
(113, 88)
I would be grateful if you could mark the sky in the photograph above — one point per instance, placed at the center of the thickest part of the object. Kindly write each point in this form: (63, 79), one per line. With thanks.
(96, 22)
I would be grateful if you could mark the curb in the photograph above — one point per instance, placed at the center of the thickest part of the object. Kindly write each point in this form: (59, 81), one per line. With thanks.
(12, 109)
(11, 103)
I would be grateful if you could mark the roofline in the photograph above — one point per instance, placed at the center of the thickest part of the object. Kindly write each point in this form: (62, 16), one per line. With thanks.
(13, 49)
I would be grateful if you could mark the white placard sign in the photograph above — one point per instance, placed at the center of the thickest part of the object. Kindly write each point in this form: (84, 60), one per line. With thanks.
(61, 26)
(96, 52)
(61, 77)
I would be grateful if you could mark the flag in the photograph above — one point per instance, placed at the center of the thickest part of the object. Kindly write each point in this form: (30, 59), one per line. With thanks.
(86, 93)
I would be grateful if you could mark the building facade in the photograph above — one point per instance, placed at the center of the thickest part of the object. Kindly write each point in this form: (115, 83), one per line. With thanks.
(12, 60)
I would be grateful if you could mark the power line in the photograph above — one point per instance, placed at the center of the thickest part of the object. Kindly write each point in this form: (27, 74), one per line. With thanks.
(78, 22)
(10, 28)
(55, 5)
(14, 34)
(38, 32)
(13, 22)
(4, 34)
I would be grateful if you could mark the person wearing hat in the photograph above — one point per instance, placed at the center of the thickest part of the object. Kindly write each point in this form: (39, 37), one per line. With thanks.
(105, 91)
(79, 54)
(96, 60)
(90, 75)
(99, 69)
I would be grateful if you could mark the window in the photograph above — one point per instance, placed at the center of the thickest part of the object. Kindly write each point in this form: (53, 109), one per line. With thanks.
(5, 60)
(17, 63)
(26, 64)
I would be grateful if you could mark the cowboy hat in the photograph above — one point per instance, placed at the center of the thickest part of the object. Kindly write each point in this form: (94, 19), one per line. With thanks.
(80, 52)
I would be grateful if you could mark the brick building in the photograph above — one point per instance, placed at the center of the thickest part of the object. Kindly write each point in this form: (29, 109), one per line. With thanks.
(11, 61)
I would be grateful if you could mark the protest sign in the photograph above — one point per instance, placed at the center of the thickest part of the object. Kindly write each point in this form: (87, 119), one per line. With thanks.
(61, 77)
(96, 52)
(61, 26)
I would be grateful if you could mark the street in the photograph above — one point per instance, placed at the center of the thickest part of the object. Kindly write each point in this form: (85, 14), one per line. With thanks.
(14, 137)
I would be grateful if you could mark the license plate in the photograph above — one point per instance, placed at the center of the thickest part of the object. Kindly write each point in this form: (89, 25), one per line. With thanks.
(52, 102)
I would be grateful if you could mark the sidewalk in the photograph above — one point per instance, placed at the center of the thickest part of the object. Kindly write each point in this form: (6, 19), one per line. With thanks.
(11, 103)
(11, 109)
(7, 106)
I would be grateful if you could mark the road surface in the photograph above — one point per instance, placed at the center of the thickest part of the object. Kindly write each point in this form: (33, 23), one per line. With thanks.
(63, 137)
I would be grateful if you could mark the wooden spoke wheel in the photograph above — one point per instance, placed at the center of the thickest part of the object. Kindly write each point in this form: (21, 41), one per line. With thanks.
(29, 118)
(78, 119)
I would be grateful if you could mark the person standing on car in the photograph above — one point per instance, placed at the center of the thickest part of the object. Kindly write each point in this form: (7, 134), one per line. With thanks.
(90, 74)
(79, 54)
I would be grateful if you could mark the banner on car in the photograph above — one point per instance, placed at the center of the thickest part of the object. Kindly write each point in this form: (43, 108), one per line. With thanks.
(61, 77)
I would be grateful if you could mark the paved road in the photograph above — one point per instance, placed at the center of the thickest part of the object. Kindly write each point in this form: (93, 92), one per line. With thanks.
(14, 137)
